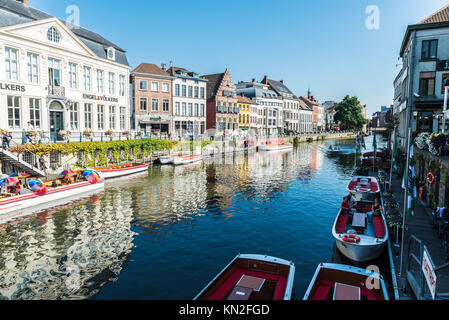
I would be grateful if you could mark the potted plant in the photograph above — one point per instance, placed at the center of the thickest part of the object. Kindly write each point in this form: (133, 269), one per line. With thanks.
(65, 134)
(109, 134)
(140, 134)
(422, 140)
(127, 134)
(436, 143)
(88, 134)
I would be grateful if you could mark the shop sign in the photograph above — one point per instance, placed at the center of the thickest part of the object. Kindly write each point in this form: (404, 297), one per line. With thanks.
(11, 87)
(443, 65)
(99, 98)
(445, 82)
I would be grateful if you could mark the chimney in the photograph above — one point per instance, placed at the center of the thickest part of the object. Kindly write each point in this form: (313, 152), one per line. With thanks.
(164, 66)
(282, 81)
(25, 2)
(265, 80)
(254, 80)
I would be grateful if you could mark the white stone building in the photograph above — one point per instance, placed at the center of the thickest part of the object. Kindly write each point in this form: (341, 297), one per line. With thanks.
(58, 76)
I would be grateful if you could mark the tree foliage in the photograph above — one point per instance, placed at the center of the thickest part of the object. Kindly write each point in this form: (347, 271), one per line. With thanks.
(349, 114)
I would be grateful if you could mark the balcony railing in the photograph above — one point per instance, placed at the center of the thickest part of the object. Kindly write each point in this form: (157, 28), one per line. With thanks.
(58, 92)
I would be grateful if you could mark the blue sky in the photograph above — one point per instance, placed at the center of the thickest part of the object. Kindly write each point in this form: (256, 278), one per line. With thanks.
(323, 44)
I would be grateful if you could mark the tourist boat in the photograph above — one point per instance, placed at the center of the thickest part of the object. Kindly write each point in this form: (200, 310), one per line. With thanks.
(121, 170)
(275, 145)
(344, 282)
(252, 277)
(186, 159)
(165, 160)
(20, 205)
(333, 151)
(362, 236)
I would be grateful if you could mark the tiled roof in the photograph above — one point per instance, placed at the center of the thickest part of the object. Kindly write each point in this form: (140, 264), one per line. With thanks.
(304, 105)
(213, 85)
(309, 102)
(243, 99)
(279, 87)
(441, 15)
(150, 68)
(13, 12)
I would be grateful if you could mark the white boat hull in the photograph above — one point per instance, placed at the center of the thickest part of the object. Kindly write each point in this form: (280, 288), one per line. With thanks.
(165, 160)
(18, 206)
(115, 173)
(360, 253)
(186, 160)
(275, 148)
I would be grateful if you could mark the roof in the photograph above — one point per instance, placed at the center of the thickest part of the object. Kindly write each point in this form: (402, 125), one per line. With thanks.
(242, 99)
(439, 19)
(13, 12)
(304, 105)
(150, 68)
(257, 92)
(439, 16)
(279, 87)
(213, 85)
(308, 101)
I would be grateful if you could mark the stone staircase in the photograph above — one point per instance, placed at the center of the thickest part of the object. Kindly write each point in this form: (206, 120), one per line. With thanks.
(19, 164)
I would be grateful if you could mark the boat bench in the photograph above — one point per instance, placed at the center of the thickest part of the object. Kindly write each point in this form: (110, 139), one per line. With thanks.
(340, 227)
(379, 227)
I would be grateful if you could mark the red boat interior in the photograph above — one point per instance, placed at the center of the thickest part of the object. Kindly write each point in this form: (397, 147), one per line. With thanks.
(371, 186)
(374, 226)
(275, 278)
(323, 288)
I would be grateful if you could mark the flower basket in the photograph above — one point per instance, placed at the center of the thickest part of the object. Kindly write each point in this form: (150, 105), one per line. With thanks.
(422, 141)
(64, 134)
(437, 141)
(109, 134)
(88, 134)
(127, 134)
(140, 134)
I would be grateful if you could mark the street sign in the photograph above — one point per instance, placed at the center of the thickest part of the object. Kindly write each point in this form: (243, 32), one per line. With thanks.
(429, 274)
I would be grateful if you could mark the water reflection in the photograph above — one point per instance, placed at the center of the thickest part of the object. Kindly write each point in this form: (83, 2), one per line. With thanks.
(175, 220)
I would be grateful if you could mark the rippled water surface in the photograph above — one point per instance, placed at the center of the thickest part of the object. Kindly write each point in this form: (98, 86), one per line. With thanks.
(165, 235)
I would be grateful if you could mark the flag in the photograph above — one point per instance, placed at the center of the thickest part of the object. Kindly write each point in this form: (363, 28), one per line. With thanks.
(375, 145)
(412, 190)
(395, 154)
(357, 144)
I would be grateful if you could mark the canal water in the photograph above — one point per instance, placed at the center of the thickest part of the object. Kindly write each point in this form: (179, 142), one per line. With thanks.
(165, 235)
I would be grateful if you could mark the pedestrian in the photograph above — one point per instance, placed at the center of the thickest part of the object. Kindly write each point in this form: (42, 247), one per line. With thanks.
(7, 137)
(28, 129)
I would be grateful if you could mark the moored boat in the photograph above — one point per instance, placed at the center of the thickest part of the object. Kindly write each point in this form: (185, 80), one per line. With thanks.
(165, 160)
(362, 235)
(252, 277)
(334, 151)
(121, 170)
(20, 205)
(275, 145)
(186, 159)
(344, 282)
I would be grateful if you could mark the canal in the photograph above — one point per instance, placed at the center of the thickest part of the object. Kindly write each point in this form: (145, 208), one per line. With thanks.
(165, 235)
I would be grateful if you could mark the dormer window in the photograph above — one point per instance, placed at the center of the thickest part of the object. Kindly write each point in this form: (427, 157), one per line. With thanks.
(111, 53)
(53, 35)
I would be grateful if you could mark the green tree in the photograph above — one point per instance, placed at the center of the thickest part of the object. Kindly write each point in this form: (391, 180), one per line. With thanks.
(349, 114)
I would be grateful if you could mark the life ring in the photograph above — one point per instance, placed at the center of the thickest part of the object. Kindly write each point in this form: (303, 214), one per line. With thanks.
(352, 238)
(430, 178)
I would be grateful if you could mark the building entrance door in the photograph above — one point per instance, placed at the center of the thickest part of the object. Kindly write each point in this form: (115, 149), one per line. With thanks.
(56, 120)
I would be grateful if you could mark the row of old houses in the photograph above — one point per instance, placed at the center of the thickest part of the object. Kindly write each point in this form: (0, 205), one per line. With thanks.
(56, 77)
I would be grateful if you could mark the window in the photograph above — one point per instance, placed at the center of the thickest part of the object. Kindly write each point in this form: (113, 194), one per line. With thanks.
(155, 105)
(177, 90)
(202, 93)
(35, 112)
(190, 109)
(87, 78)
(427, 84)
(100, 117)
(184, 90)
(122, 118)
(53, 35)
(112, 117)
(202, 110)
(177, 108)
(197, 110)
(197, 94)
(88, 116)
(165, 105)
(11, 64)
(73, 108)
(73, 78)
(100, 81)
(165, 87)
(190, 91)
(32, 68)
(143, 104)
(184, 109)
(429, 49)
(122, 85)
(111, 83)
(143, 85)
(13, 112)
(155, 86)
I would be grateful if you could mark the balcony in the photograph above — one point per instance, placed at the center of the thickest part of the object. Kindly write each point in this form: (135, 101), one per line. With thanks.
(56, 92)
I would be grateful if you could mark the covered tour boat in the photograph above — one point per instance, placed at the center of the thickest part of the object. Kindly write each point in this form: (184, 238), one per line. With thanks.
(361, 235)
(275, 145)
(111, 172)
(19, 205)
(252, 277)
(344, 282)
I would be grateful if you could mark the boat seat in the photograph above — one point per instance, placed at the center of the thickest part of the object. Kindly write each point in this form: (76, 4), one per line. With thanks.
(379, 227)
(340, 227)
(322, 292)
(374, 187)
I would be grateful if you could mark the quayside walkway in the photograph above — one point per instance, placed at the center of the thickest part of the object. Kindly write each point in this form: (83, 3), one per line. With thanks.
(421, 227)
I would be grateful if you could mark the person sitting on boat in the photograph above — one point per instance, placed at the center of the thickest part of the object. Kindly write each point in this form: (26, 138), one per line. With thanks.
(67, 179)
(351, 201)
(346, 207)
(376, 208)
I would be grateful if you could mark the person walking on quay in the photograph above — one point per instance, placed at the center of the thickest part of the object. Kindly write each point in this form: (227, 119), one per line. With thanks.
(7, 137)
(29, 127)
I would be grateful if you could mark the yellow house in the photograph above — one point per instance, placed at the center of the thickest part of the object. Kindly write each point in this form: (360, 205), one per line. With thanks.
(244, 105)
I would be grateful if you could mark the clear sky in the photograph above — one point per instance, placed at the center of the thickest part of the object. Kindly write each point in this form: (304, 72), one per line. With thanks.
(324, 44)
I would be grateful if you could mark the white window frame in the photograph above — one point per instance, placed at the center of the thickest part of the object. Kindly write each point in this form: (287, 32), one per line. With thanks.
(32, 67)
(11, 64)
